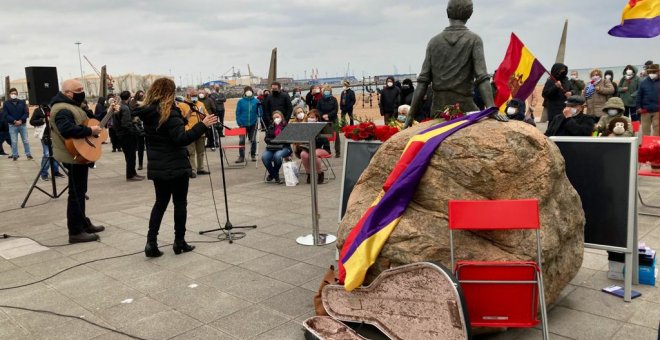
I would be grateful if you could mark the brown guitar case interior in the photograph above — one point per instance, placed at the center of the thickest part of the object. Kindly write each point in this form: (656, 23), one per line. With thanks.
(416, 301)
(327, 328)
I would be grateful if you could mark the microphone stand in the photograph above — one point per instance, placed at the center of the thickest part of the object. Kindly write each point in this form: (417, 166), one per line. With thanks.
(227, 229)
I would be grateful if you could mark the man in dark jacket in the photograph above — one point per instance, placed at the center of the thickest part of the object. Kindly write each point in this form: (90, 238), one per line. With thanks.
(277, 101)
(219, 98)
(328, 109)
(16, 111)
(123, 124)
(38, 120)
(577, 85)
(390, 98)
(647, 101)
(347, 101)
(4, 132)
(204, 96)
(556, 90)
(66, 121)
(407, 91)
(572, 121)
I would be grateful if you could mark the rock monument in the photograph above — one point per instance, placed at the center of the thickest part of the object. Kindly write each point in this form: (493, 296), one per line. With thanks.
(488, 160)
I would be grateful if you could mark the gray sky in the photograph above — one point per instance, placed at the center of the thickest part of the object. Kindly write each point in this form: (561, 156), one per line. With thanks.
(205, 38)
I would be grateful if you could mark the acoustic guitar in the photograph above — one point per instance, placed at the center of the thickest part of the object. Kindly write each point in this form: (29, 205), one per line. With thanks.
(89, 149)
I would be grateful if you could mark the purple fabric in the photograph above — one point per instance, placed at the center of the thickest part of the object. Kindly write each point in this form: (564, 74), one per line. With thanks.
(528, 87)
(637, 28)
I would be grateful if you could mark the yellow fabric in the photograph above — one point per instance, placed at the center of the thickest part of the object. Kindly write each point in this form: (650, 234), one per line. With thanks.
(644, 9)
(191, 115)
(524, 69)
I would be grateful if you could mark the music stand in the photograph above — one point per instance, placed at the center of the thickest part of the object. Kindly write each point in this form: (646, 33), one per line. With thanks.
(307, 133)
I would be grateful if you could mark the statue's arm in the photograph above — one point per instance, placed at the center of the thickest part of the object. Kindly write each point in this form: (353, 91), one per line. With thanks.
(481, 73)
(423, 80)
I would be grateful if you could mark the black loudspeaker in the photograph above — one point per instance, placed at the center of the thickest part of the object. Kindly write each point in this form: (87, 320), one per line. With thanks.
(42, 84)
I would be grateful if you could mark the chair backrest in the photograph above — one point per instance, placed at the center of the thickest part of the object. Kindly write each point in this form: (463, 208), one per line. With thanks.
(235, 132)
(635, 126)
(491, 215)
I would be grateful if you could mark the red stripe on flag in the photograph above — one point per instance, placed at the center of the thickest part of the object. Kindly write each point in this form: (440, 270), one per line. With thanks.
(506, 70)
(348, 241)
(403, 162)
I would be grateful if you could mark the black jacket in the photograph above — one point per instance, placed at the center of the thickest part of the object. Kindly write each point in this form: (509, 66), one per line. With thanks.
(407, 93)
(347, 100)
(270, 135)
(209, 104)
(219, 99)
(390, 99)
(38, 117)
(166, 145)
(579, 126)
(122, 121)
(65, 122)
(554, 97)
(328, 106)
(280, 102)
(4, 123)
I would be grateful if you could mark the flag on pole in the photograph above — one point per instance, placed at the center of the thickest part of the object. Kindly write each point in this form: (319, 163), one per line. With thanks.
(518, 73)
(640, 19)
(365, 241)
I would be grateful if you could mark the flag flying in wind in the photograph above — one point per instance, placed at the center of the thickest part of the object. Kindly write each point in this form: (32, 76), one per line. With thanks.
(640, 19)
(368, 236)
(518, 73)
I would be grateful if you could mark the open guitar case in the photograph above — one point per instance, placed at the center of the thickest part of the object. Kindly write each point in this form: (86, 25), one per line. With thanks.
(417, 301)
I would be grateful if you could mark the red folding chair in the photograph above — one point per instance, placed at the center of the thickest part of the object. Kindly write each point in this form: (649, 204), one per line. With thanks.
(500, 293)
(232, 133)
(645, 172)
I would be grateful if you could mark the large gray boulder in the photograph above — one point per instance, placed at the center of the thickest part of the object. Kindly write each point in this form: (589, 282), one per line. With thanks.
(488, 160)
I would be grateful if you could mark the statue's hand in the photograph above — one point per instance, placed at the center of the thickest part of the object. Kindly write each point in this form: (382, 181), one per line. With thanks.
(497, 116)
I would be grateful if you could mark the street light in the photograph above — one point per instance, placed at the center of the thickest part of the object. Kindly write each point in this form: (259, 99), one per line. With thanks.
(82, 77)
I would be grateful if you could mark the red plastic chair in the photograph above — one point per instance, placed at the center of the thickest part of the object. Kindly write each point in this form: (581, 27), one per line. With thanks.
(646, 141)
(500, 293)
(232, 133)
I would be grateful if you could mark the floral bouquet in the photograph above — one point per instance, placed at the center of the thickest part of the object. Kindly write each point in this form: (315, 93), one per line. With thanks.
(450, 112)
(369, 131)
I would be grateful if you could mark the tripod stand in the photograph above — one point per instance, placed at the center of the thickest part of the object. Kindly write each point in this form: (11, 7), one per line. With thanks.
(50, 163)
(227, 229)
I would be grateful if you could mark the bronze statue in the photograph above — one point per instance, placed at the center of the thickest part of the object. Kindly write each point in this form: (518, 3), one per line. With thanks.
(454, 63)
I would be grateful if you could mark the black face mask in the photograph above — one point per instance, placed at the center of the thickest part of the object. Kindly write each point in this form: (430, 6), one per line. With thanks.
(78, 97)
(275, 92)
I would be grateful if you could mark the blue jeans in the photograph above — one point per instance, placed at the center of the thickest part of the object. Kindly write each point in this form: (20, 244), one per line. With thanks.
(45, 167)
(251, 134)
(273, 161)
(13, 134)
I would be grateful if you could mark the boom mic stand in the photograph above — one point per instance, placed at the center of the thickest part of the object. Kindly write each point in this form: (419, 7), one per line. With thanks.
(51, 163)
(227, 229)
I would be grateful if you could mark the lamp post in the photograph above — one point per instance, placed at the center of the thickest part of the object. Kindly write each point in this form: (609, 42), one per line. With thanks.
(82, 77)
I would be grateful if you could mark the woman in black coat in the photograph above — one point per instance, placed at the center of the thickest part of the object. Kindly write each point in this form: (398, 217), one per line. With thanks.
(556, 90)
(168, 164)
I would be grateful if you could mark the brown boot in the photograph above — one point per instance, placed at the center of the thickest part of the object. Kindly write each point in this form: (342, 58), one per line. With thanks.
(321, 177)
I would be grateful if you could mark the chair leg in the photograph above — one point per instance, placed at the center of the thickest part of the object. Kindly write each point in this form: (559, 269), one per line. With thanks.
(327, 165)
(544, 312)
(641, 200)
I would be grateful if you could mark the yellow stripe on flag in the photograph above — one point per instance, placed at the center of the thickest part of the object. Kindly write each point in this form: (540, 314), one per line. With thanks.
(524, 68)
(425, 137)
(644, 9)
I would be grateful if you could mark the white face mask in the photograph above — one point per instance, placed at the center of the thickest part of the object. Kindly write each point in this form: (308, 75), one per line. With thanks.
(574, 111)
(574, 77)
(629, 72)
(300, 116)
(277, 121)
(608, 77)
(612, 112)
(629, 76)
(201, 95)
(317, 90)
(511, 110)
(595, 78)
(312, 120)
(653, 76)
(390, 84)
(248, 93)
(13, 96)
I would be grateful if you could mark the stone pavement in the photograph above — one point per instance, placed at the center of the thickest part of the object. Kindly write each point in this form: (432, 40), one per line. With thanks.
(260, 287)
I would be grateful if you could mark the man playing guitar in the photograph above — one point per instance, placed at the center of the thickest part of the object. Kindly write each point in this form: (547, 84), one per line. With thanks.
(66, 121)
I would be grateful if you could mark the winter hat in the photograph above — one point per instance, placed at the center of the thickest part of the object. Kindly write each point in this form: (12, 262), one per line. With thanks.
(614, 103)
(575, 100)
(346, 83)
(653, 68)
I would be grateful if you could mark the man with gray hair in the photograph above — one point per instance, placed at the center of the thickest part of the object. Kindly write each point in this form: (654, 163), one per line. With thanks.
(66, 121)
(454, 63)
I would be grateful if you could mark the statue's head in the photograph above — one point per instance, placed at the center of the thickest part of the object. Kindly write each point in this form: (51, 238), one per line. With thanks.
(459, 9)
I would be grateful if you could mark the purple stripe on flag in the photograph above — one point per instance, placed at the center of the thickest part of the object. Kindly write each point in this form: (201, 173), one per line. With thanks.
(637, 28)
(528, 87)
(395, 201)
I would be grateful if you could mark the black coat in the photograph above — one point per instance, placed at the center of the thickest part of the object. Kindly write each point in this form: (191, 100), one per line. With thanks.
(328, 106)
(554, 97)
(122, 120)
(347, 100)
(270, 135)
(166, 145)
(280, 102)
(579, 126)
(390, 99)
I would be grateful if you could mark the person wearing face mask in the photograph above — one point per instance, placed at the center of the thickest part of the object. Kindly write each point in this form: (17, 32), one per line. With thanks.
(210, 105)
(138, 127)
(298, 115)
(328, 108)
(407, 91)
(4, 131)
(614, 108)
(577, 84)
(277, 101)
(515, 110)
(628, 86)
(195, 149)
(572, 121)
(597, 92)
(647, 101)
(609, 75)
(322, 150)
(401, 117)
(16, 112)
(555, 92)
(275, 152)
(66, 121)
(347, 101)
(390, 99)
(248, 112)
(123, 124)
(297, 101)
(313, 96)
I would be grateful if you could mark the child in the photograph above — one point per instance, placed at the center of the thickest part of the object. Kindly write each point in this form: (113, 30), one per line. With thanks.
(614, 109)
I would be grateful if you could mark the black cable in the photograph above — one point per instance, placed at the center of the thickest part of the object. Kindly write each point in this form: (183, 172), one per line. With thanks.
(37, 242)
(73, 317)
(19, 208)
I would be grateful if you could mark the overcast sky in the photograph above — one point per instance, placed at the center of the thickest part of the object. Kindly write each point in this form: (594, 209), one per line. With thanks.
(205, 38)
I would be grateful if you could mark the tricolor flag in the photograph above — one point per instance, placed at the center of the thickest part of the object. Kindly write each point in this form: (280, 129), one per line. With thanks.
(518, 74)
(368, 236)
(640, 19)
